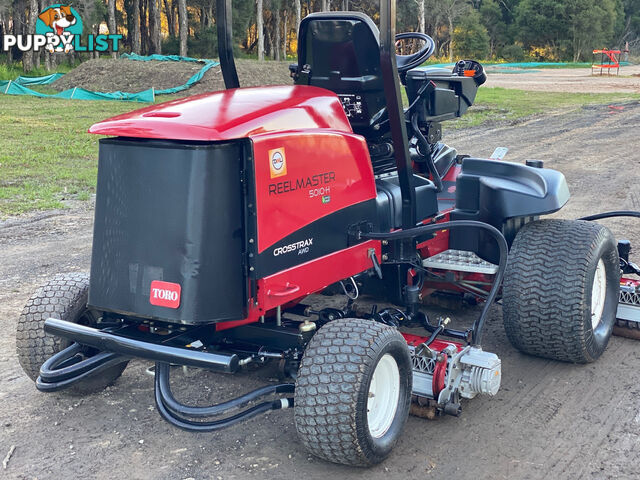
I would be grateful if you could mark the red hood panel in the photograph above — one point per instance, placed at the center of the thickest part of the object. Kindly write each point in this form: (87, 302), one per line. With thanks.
(230, 114)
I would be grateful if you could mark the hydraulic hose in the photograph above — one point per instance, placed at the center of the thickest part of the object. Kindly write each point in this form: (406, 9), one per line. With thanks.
(625, 264)
(478, 325)
(618, 213)
(162, 376)
(434, 335)
(182, 416)
(67, 367)
(425, 146)
(197, 426)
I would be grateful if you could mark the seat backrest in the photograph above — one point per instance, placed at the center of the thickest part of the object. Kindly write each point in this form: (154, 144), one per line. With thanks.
(342, 52)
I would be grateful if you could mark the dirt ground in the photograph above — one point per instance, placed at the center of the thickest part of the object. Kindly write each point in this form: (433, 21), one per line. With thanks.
(549, 421)
(570, 80)
(108, 75)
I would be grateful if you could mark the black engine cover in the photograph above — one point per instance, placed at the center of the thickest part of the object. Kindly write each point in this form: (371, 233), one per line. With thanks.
(170, 212)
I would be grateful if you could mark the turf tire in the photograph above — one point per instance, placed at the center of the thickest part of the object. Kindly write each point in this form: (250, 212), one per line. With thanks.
(547, 289)
(332, 391)
(63, 297)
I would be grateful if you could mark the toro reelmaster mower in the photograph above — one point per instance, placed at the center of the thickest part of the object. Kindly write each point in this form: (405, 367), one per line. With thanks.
(217, 215)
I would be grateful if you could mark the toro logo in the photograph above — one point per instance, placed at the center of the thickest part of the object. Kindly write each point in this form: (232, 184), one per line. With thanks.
(277, 162)
(164, 294)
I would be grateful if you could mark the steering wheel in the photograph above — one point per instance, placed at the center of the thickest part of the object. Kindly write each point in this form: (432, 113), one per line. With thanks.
(407, 62)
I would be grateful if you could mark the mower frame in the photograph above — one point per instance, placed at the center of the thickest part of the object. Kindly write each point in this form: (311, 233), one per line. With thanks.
(124, 339)
(483, 223)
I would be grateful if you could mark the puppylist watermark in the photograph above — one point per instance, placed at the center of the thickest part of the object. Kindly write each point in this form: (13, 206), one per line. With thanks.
(59, 29)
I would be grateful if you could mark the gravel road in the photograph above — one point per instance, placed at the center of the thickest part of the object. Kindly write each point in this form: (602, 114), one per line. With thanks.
(570, 80)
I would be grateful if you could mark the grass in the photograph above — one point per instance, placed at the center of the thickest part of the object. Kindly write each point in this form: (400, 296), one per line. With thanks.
(46, 156)
(495, 105)
(14, 70)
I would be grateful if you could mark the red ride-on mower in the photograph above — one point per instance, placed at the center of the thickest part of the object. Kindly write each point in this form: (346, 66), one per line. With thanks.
(217, 215)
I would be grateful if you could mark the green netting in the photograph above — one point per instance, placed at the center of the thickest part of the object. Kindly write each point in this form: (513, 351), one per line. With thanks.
(46, 80)
(19, 85)
(538, 65)
(492, 69)
(527, 65)
(161, 58)
(12, 88)
(208, 64)
(549, 64)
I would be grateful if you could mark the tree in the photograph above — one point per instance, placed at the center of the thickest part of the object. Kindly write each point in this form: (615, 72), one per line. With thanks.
(452, 10)
(470, 38)
(183, 26)
(286, 34)
(631, 28)
(571, 28)
(260, 29)
(136, 45)
(169, 12)
(5, 16)
(32, 17)
(422, 21)
(276, 39)
(154, 27)
(629, 33)
(298, 14)
(548, 29)
(111, 10)
(592, 25)
(491, 14)
(542, 23)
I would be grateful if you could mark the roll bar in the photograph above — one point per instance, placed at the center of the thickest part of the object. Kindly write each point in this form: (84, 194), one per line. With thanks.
(225, 44)
(395, 111)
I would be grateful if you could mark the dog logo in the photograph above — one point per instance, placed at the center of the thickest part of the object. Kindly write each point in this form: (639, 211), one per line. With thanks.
(59, 29)
(277, 162)
(61, 21)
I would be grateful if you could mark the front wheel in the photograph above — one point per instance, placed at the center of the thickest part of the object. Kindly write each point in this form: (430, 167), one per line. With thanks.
(561, 288)
(63, 297)
(353, 392)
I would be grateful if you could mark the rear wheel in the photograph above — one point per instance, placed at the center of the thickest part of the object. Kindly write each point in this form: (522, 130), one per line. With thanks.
(63, 297)
(560, 291)
(353, 392)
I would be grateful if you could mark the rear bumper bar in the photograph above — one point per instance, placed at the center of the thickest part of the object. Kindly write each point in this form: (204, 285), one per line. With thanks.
(69, 366)
(129, 347)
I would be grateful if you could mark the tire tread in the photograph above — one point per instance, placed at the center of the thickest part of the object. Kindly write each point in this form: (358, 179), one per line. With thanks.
(545, 292)
(63, 297)
(330, 378)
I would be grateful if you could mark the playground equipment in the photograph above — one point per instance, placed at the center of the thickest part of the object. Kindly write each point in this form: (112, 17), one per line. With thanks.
(609, 60)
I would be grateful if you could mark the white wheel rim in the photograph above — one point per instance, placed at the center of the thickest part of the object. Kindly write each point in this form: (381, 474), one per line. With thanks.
(384, 392)
(598, 294)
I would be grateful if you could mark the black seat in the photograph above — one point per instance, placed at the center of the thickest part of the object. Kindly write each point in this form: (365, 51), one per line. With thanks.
(340, 51)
